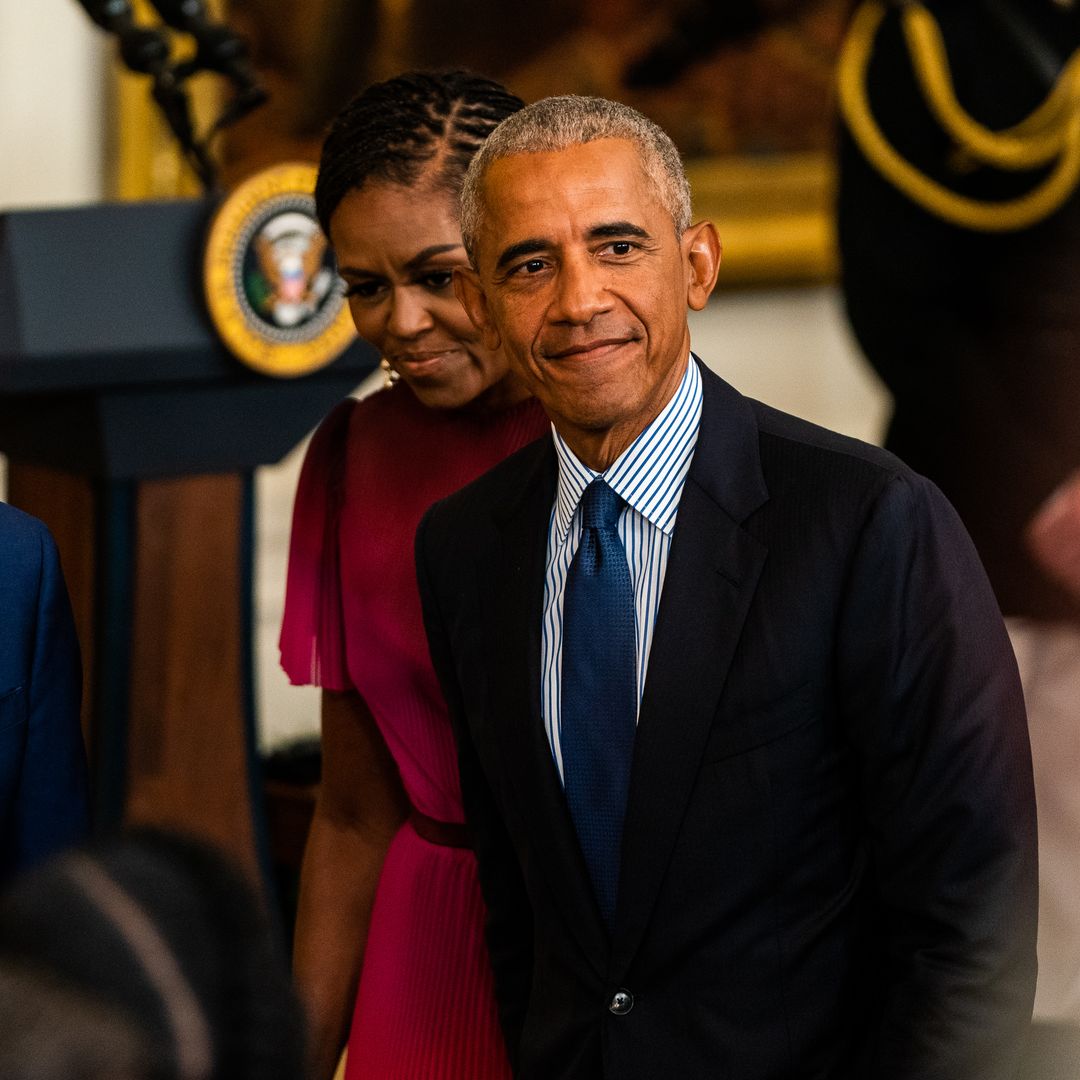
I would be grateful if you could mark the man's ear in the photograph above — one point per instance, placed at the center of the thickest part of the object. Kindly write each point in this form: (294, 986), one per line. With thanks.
(470, 294)
(702, 249)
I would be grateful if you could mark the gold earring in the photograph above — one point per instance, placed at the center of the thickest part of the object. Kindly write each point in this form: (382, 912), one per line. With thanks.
(390, 376)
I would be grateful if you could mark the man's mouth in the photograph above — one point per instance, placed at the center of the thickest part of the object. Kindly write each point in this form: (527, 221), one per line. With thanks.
(589, 350)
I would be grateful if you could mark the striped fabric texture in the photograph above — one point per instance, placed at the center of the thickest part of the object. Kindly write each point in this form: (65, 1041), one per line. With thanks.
(649, 475)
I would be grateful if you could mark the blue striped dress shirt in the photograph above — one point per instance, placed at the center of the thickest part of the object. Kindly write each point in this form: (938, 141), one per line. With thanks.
(649, 475)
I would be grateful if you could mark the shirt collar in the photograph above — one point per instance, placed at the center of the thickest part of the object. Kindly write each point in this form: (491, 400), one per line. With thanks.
(650, 473)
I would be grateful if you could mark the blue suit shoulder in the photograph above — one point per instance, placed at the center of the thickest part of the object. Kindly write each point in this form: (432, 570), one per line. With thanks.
(43, 788)
(22, 540)
(26, 550)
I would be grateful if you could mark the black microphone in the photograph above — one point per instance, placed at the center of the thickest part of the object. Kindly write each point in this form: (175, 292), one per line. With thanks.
(141, 48)
(146, 50)
(218, 49)
(182, 14)
(112, 15)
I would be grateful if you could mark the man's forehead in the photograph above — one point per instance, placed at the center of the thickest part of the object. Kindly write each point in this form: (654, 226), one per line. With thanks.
(589, 183)
(599, 160)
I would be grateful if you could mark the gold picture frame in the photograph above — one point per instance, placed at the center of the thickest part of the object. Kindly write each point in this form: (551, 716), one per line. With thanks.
(774, 214)
(753, 118)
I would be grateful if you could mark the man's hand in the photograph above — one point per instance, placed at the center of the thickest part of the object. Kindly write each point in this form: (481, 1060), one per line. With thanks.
(1053, 535)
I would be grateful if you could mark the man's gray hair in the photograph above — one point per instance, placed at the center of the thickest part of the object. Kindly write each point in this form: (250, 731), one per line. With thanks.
(557, 123)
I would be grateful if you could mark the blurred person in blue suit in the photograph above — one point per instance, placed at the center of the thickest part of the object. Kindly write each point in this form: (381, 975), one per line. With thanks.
(43, 788)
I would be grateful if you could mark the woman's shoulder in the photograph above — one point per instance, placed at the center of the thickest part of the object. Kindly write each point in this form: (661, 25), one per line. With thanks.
(393, 408)
(354, 419)
(375, 429)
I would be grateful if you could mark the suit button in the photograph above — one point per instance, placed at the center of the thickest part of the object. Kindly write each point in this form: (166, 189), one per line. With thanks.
(622, 1001)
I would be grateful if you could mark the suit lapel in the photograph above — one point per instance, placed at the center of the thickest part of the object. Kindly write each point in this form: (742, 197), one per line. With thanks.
(711, 577)
(514, 613)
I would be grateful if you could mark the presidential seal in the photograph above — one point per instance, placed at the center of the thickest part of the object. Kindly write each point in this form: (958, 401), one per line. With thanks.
(271, 284)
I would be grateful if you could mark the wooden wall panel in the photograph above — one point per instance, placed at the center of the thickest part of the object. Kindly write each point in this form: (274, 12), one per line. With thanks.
(187, 763)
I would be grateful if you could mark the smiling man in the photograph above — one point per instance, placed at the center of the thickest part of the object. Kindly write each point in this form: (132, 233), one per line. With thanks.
(603, 351)
(741, 738)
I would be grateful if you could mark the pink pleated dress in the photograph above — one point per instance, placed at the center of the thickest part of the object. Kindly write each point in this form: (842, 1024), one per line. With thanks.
(425, 1007)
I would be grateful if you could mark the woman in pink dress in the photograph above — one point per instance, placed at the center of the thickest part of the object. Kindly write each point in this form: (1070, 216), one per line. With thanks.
(390, 924)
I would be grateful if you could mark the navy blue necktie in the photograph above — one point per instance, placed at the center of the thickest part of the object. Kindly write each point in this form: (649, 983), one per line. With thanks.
(599, 689)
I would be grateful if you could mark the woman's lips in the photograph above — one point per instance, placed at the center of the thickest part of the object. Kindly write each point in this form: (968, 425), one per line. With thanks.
(425, 363)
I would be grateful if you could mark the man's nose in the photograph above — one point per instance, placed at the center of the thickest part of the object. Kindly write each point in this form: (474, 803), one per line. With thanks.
(409, 315)
(581, 291)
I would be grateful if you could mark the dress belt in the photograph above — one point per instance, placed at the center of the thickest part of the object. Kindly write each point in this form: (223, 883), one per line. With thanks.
(443, 833)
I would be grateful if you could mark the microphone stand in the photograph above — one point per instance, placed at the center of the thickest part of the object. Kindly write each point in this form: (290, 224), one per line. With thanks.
(218, 49)
(146, 51)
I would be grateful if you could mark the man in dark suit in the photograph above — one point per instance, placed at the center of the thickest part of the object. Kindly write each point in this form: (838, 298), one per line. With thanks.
(43, 801)
(821, 861)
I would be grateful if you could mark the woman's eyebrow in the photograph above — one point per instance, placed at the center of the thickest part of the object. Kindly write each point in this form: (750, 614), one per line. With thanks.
(422, 257)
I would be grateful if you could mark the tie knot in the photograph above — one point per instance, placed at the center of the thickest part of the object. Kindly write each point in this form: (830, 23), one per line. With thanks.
(600, 506)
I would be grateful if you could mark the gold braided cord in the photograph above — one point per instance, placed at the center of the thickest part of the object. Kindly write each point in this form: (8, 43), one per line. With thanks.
(1036, 141)
(1057, 119)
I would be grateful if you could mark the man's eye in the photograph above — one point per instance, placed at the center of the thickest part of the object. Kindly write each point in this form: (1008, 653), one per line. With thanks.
(621, 247)
(527, 268)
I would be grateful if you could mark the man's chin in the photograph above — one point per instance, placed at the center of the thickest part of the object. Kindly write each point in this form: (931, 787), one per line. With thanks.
(596, 419)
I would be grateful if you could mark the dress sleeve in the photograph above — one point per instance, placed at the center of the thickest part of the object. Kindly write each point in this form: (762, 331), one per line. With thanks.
(312, 639)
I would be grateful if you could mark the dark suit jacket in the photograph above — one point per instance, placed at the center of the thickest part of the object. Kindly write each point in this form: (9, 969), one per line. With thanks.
(828, 864)
(43, 804)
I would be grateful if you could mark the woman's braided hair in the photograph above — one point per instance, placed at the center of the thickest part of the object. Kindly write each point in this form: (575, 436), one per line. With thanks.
(420, 126)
